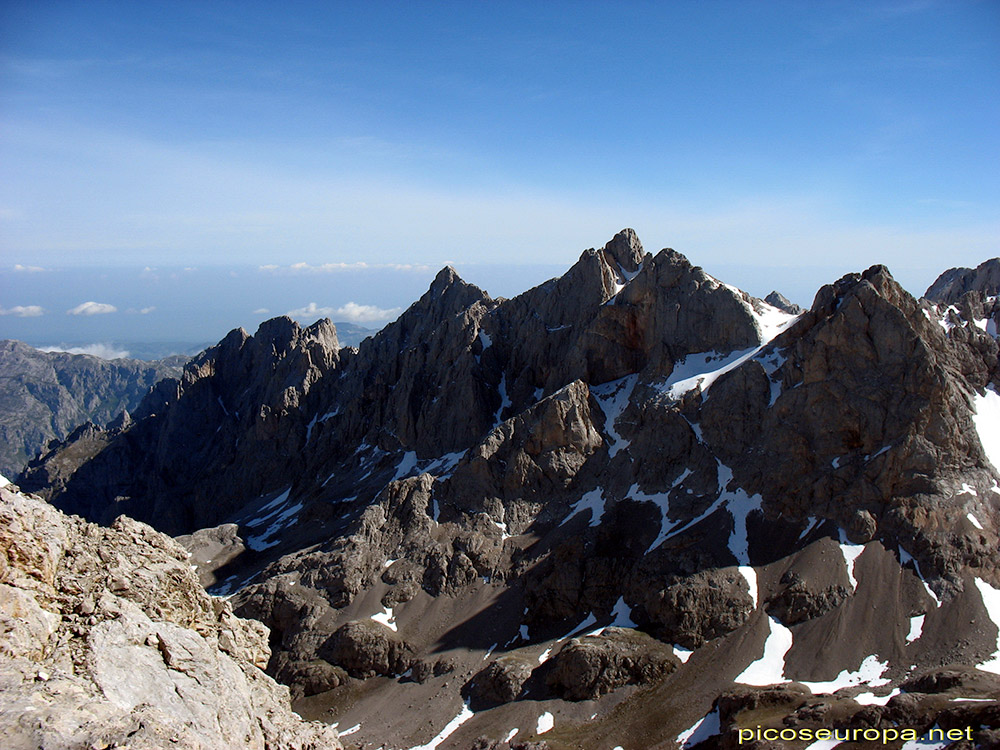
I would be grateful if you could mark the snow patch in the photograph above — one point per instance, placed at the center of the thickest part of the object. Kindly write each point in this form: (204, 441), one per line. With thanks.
(4, 481)
(695, 370)
(485, 340)
(870, 699)
(277, 519)
(463, 716)
(351, 730)
(386, 618)
(406, 465)
(916, 628)
(707, 726)
(969, 489)
(991, 600)
(906, 558)
(545, 723)
(769, 669)
(544, 656)
(987, 422)
(869, 673)
(682, 653)
(613, 398)
(851, 552)
(592, 501)
(504, 398)
(750, 575)
(510, 735)
(922, 744)
(974, 521)
(740, 506)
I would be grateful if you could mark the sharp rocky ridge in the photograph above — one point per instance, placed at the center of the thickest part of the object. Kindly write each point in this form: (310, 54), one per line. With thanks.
(628, 501)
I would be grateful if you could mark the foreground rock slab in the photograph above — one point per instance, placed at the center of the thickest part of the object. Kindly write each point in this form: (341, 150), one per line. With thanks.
(108, 640)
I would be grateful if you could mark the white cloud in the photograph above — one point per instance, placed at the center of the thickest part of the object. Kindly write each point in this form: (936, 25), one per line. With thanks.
(28, 269)
(352, 312)
(261, 311)
(92, 308)
(23, 311)
(142, 311)
(104, 351)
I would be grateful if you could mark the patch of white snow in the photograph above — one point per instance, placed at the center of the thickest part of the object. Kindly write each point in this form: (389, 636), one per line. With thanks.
(916, 628)
(991, 600)
(987, 422)
(545, 723)
(851, 552)
(870, 699)
(974, 521)
(463, 716)
(386, 618)
(769, 669)
(707, 726)
(613, 398)
(870, 673)
(682, 653)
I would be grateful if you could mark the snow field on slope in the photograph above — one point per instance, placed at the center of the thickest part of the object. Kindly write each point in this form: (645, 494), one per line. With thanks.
(277, 516)
(614, 398)
(463, 716)
(698, 370)
(851, 553)
(987, 422)
(991, 601)
(707, 726)
(769, 669)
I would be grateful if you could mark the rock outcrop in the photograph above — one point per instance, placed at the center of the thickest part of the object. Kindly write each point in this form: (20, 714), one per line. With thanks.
(108, 640)
(955, 283)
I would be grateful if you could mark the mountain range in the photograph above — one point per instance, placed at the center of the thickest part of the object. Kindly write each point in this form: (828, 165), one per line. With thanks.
(633, 507)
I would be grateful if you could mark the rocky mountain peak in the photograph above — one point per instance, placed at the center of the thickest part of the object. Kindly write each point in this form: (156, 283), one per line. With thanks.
(780, 301)
(625, 250)
(951, 285)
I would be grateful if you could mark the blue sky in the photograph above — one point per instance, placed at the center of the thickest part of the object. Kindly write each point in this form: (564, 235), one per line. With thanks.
(778, 144)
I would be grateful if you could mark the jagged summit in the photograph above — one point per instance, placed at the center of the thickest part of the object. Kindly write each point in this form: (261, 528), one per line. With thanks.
(954, 283)
(490, 500)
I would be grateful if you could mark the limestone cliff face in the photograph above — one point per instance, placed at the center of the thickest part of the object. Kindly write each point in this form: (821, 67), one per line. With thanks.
(108, 640)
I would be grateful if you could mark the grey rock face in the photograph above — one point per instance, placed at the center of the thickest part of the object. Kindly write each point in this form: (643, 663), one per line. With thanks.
(47, 394)
(587, 668)
(107, 639)
(201, 445)
(780, 301)
(954, 283)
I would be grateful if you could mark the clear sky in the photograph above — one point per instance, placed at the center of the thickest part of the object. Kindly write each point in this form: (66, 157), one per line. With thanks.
(784, 142)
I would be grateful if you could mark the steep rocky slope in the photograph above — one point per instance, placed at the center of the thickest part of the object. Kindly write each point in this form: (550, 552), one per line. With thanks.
(45, 395)
(108, 640)
(626, 502)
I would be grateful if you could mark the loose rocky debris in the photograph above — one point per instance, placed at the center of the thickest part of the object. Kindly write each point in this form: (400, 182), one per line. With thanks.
(108, 640)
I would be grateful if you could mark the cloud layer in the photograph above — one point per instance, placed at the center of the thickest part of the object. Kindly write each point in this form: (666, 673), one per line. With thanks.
(92, 308)
(351, 312)
(104, 351)
(23, 311)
